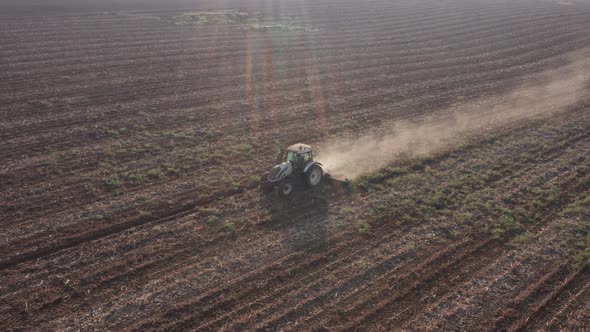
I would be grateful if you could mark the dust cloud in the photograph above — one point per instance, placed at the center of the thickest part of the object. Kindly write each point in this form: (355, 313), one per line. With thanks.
(548, 93)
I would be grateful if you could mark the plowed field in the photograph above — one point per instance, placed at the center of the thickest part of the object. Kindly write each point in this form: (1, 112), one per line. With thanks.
(132, 141)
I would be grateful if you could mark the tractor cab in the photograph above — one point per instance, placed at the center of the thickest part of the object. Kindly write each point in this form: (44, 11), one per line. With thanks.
(298, 154)
(295, 164)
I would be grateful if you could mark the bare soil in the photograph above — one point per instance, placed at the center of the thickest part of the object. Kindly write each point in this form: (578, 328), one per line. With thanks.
(131, 148)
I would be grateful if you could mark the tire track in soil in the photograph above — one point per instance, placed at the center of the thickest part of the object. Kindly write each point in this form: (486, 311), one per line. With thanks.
(10, 313)
(571, 140)
(177, 258)
(269, 284)
(376, 98)
(545, 280)
(43, 201)
(114, 282)
(527, 307)
(80, 184)
(293, 119)
(405, 294)
(229, 131)
(131, 190)
(452, 308)
(76, 244)
(575, 313)
(503, 268)
(345, 286)
(116, 278)
(215, 315)
(563, 292)
(108, 231)
(111, 282)
(402, 307)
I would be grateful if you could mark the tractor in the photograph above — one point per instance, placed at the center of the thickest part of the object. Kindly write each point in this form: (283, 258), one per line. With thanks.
(296, 166)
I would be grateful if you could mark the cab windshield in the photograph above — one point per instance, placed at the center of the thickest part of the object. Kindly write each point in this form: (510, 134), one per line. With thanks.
(291, 156)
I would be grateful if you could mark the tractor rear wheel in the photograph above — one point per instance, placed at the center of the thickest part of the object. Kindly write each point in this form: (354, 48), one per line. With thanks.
(265, 185)
(313, 176)
(286, 188)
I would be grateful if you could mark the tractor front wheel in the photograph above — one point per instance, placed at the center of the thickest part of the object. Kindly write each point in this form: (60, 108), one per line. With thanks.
(265, 185)
(313, 176)
(286, 188)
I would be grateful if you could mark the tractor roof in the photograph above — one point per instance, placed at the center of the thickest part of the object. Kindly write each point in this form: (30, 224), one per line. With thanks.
(299, 147)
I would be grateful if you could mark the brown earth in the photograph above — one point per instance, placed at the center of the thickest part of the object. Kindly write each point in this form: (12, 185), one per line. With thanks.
(131, 150)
